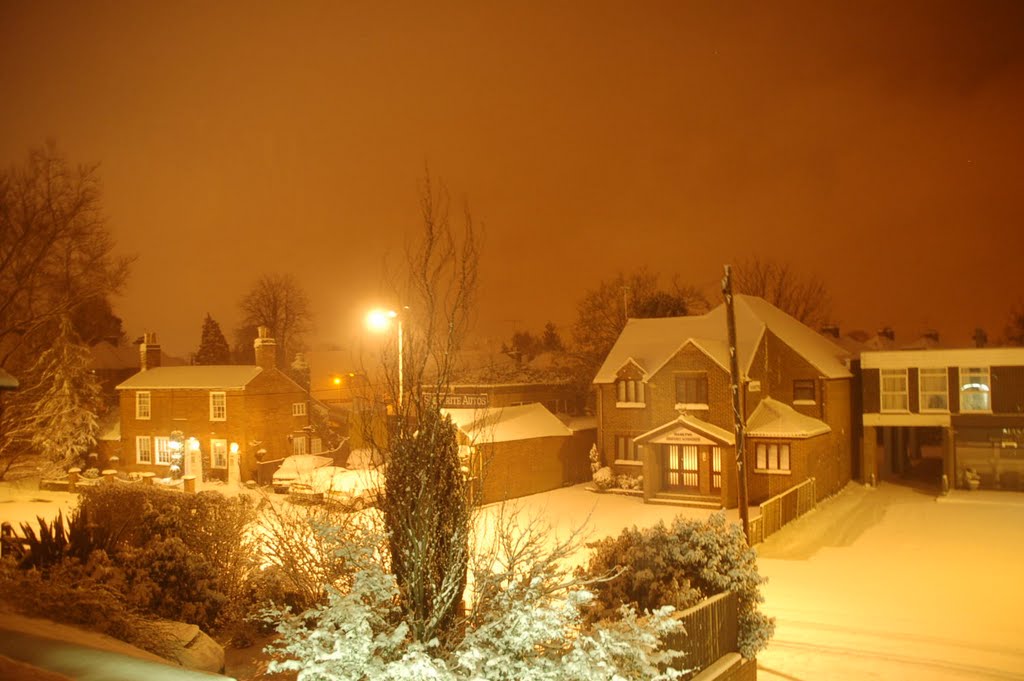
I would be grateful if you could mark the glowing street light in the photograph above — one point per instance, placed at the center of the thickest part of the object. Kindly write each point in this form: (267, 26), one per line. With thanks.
(379, 320)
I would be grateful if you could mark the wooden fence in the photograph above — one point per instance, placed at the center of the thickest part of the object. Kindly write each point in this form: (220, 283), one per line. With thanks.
(710, 631)
(782, 509)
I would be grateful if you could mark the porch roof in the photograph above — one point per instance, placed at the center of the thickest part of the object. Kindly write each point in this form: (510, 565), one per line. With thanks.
(772, 418)
(709, 430)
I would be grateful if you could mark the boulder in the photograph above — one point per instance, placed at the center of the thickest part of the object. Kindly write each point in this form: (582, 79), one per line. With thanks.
(182, 643)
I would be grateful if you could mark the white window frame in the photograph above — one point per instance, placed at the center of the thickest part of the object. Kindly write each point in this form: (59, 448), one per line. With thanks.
(218, 412)
(299, 445)
(143, 405)
(975, 388)
(162, 450)
(218, 453)
(298, 408)
(893, 374)
(143, 449)
(923, 395)
(629, 393)
(774, 458)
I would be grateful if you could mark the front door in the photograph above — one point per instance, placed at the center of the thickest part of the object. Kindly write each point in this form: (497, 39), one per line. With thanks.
(681, 468)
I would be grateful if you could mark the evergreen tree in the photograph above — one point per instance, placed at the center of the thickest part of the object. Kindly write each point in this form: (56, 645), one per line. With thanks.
(550, 340)
(213, 348)
(66, 396)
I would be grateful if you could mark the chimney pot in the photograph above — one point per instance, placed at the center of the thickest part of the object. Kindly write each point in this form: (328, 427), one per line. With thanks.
(149, 352)
(265, 349)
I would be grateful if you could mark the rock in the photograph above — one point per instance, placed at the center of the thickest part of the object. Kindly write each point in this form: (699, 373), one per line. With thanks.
(183, 643)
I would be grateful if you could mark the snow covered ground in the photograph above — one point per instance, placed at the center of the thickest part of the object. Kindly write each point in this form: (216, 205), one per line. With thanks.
(885, 583)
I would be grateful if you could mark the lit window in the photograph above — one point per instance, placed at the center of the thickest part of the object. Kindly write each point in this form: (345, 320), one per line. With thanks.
(625, 450)
(298, 408)
(218, 406)
(772, 456)
(219, 453)
(299, 444)
(975, 389)
(142, 405)
(803, 391)
(894, 389)
(933, 389)
(162, 445)
(630, 391)
(692, 389)
(143, 449)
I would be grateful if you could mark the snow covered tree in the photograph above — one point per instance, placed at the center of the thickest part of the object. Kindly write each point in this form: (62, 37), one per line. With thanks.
(66, 398)
(679, 566)
(213, 347)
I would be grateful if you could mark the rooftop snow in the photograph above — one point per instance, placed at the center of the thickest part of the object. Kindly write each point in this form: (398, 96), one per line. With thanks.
(690, 423)
(506, 424)
(653, 342)
(200, 377)
(772, 418)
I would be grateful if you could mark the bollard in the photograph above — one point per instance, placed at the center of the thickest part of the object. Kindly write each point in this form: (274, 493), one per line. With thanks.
(109, 475)
(73, 474)
(945, 484)
(189, 484)
(147, 478)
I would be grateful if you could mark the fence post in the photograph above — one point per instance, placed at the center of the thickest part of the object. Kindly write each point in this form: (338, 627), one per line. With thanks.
(147, 478)
(189, 483)
(73, 478)
(109, 475)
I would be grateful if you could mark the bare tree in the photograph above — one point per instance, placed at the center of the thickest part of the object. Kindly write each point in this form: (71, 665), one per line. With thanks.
(1015, 326)
(802, 296)
(56, 253)
(427, 498)
(279, 303)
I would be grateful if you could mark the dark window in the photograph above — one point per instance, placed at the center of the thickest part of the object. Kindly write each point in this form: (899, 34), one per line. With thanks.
(692, 389)
(803, 389)
(625, 450)
(772, 456)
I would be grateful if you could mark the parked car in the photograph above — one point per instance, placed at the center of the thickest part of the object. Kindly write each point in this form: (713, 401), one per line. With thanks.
(312, 478)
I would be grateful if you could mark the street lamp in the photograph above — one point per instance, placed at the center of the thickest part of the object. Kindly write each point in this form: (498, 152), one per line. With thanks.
(379, 320)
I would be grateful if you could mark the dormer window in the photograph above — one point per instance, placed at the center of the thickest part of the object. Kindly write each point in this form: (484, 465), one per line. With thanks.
(629, 392)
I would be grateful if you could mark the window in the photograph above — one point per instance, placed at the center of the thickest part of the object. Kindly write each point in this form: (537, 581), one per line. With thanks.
(803, 391)
(218, 407)
(975, 389)
(299, 444)
(143, 449)
(316, 445)
(162, 445)
(298, 408)
(894, 389)
(629, 391)
(142, 405)
(218, 453)
(772, 456)
(692, 389)
(933, 389)
(625, 450)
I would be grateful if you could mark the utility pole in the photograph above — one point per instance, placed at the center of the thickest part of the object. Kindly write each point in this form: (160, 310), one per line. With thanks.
(734, 374)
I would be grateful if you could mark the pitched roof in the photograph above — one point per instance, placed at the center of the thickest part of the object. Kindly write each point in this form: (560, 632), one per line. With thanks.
(692, 423)
(201, 377)
(653, 342)
(505, 424)
(772, 418)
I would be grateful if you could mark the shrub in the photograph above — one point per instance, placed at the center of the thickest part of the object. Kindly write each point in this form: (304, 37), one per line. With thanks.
(604, 478)
(625, 481)
(680, 566)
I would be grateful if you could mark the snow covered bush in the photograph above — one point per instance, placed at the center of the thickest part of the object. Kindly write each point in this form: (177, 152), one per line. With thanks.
(679, 566)
(526, 623)
(604, 478)
(626, 481)
(595, 459)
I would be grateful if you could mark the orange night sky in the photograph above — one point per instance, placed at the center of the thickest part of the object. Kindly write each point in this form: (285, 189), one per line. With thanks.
(879, 145)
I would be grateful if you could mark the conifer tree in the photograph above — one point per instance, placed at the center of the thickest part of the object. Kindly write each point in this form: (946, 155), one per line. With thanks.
(66, 399)
(213, 348)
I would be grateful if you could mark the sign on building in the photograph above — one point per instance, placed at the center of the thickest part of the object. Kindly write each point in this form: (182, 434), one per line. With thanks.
(465, 401)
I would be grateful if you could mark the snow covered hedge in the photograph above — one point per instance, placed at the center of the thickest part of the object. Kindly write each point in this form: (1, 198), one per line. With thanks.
(679, 566)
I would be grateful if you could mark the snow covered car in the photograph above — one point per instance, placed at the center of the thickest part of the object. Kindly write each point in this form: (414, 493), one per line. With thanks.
(354, 488)
(298, 467)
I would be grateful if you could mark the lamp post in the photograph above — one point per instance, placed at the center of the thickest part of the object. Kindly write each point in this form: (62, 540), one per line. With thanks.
(378, 321)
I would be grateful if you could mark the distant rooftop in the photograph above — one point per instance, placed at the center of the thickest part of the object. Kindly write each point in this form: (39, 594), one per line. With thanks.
(199, 377)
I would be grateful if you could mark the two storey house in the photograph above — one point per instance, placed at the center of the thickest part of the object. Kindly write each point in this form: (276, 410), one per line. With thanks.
(664, 406)
(940, 412)
(230, 417)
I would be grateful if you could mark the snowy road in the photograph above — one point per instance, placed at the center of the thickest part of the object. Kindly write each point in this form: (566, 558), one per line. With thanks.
(891, 584)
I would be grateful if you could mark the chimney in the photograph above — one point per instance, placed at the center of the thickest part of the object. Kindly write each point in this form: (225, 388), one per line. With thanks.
(149, 352)
(887, 332)
(831, 330)
(266, 349)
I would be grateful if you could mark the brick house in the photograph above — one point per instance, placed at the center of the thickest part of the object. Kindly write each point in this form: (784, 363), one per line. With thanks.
(664, 406)
(252, 412)
(934, 412)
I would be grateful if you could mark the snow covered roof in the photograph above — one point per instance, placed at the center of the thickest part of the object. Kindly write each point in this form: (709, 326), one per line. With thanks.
(772, 418)
(686, 422)
(201, 377)
(651, 343)
(506, 424)
(578, 423)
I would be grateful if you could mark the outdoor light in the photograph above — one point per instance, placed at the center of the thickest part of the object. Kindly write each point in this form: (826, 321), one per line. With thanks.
(378, 320)
(234, 448)
(193, 444)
